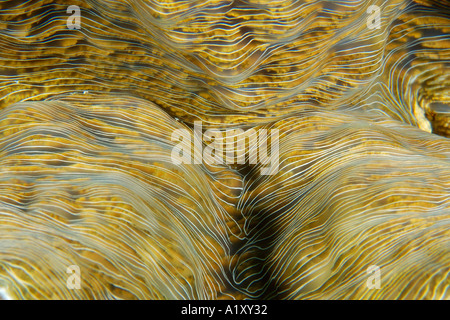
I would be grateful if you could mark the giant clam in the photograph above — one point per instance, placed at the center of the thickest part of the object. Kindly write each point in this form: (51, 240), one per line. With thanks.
(87, 177)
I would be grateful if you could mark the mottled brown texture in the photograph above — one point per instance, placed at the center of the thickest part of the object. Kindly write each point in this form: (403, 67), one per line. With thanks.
(86, 176)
